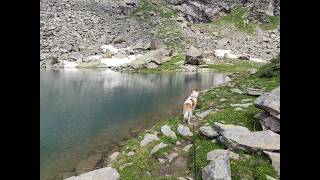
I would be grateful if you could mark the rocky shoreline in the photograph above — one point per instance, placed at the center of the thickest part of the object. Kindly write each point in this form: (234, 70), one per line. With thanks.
(234, 137)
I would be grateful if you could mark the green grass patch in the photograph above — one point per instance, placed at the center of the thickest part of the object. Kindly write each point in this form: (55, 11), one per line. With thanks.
(146, 8)
(255, 167)
(235, 66)
(237, 17)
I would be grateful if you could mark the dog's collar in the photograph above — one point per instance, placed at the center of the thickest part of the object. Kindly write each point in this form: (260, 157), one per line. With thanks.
(193, 97)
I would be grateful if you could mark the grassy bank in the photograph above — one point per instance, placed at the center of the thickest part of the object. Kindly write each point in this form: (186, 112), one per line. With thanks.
(248, 166)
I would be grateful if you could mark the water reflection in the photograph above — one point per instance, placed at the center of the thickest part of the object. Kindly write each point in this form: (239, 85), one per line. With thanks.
(82, 110)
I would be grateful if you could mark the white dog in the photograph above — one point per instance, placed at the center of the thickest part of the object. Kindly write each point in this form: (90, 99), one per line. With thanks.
(189, 106)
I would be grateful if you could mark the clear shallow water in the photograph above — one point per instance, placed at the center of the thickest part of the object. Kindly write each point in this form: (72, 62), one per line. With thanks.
(83, 112)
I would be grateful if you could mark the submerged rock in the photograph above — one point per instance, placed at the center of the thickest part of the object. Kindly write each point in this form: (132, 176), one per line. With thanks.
(107, 173)
(239, 137)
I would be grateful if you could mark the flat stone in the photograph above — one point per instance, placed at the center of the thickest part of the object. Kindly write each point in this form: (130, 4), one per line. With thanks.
(187, 148)
(166, 130)
(239, 137)
(271, 123)
(269, 101)
(131, 153)
(107, 173)
(208, 131)
(157, 148)
(204, 113)
(218, 168)
(241, 105)
(254, 91)
(184, 130)
(148, 138)
(161, 161)
(275, 158)
(172, 156)
(125, 165)
(236, 91)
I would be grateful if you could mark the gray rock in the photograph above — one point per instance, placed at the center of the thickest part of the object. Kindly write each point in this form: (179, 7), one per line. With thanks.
(155, 56)
(150, 65)
(253, 71)
(254, 91)
(208, 131)
(205, 113)
(107, 173)
(245, 105)
(236, 91)
(131, 153)
(187, 148)
(148, 138)
(218, 168)
(269, 101)
(271, 123)
(275, 158)
(161, 161)
(184, 130)
(125, 165)
(166, 130)
(157, 148)
(194, 56)
(261, 115)
(172, 156)
(119, 39)
(239, 137)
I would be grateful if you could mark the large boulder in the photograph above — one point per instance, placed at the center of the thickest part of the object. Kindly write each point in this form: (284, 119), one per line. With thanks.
(157, 57)
(148, 138)
(166, 130)
(218, 168)
(239, 137)
(269, 101)
(107, 173)
(194, 56)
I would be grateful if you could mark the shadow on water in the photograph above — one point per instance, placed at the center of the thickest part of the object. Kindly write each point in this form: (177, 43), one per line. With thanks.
(84, 111)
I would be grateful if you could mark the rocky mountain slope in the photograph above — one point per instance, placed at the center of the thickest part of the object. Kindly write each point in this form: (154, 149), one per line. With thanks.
(73, 30)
